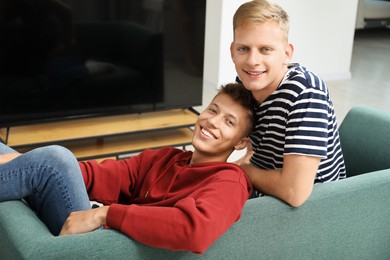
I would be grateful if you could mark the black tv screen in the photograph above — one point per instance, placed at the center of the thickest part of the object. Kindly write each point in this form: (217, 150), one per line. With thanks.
(83, 58)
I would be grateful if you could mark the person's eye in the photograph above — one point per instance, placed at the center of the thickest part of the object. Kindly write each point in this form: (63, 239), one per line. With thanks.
(266, 50)
(242, 49)
(230, 122)
(212, 110)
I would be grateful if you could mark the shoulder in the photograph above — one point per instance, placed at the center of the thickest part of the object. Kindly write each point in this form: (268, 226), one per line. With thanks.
(228, 172)
(303, 78)
(303, 86)
(298, 87)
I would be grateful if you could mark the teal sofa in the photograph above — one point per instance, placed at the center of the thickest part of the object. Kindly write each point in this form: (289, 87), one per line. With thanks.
(346, 219)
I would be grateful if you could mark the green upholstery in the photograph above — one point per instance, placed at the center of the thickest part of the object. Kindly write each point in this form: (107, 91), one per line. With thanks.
(346, 219)
(365, 139)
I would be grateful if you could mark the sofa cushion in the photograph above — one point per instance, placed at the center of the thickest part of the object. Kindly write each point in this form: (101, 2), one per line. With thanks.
(365, 140)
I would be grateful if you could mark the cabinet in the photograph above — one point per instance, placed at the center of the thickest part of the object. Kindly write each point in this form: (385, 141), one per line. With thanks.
(110, 136)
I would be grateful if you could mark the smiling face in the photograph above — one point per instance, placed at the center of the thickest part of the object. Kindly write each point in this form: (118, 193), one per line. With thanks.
(220, 128)
(260, 53)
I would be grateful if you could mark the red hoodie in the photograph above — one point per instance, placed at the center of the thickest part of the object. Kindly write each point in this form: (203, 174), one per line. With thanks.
(161, 200)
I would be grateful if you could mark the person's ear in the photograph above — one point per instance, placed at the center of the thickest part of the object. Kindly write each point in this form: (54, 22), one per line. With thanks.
(243, 143)
(232, 51)
(289, 50)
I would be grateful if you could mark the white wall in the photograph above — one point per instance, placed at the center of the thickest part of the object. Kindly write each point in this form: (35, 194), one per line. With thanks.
(321, 31)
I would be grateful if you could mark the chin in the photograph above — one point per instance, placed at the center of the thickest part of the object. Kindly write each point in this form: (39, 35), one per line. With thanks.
(201, 146)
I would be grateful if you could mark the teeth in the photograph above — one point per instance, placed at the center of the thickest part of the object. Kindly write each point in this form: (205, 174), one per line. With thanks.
(255, 73)
(208, 134)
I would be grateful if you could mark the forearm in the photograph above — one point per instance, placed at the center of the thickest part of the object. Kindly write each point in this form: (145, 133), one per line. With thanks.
(190, 225)
(293, 184)
(169, 227)
(270, 182)
(107, 181)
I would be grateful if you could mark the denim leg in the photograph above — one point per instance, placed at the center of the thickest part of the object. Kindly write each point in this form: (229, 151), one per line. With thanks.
(49, 179)
(6, 149)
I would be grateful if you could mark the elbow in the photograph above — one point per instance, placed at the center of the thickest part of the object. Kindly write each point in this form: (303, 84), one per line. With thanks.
(296, 194)
(199, 250)
(198, 240)
(197, 245)
(296, 203)
(297, 198)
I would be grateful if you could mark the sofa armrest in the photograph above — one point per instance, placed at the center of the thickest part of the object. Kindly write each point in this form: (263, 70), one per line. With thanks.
(24, 236)
(364, 137)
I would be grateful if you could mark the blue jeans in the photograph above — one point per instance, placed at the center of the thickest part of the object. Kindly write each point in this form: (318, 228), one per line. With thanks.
(49, 180)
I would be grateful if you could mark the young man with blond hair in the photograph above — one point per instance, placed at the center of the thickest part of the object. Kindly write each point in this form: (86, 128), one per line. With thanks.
(296, 142)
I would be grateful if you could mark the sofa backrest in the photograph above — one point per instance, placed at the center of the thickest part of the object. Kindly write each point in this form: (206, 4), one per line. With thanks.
(365, 140)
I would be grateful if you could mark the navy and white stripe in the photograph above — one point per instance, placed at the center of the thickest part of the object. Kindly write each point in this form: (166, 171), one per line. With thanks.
(298, 118)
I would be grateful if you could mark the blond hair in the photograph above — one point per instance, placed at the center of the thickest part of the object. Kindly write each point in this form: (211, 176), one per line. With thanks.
(260, 11)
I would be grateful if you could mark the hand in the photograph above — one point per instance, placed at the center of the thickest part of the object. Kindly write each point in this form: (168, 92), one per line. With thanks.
(245, 160)
(7, 157)
(84, 221)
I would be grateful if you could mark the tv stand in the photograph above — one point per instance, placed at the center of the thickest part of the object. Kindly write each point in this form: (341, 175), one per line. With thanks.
(110, 136)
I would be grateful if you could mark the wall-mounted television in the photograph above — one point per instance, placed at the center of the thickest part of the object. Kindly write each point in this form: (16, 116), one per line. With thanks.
(65, 59)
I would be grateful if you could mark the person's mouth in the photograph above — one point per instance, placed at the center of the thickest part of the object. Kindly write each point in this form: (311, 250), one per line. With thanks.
(208, 133)
(254, 73)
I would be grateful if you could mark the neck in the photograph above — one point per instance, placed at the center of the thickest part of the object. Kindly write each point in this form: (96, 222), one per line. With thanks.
(199, 157)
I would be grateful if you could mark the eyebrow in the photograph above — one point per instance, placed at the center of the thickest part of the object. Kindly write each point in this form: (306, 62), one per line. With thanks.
(228, 114)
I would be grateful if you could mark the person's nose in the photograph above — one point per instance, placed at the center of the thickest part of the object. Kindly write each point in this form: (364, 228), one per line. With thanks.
(213, 122)
(253, 58)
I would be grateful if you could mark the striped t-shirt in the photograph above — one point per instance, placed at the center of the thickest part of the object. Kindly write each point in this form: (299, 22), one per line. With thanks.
(298, 118)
